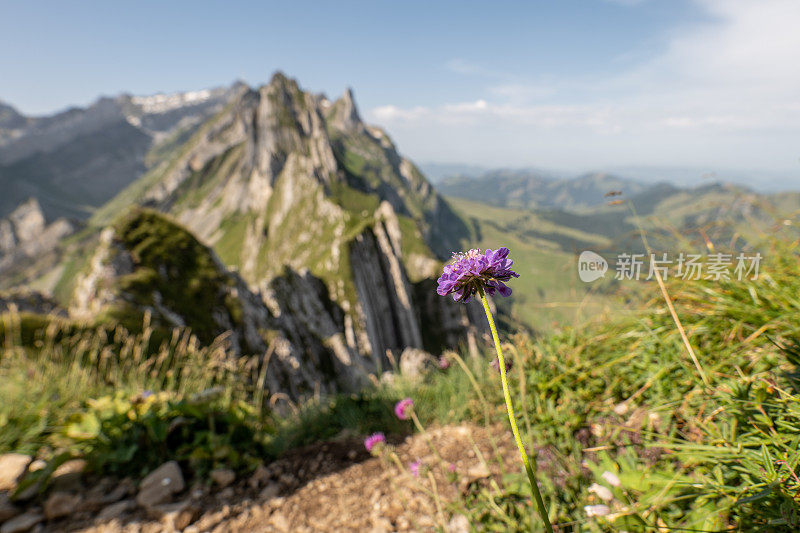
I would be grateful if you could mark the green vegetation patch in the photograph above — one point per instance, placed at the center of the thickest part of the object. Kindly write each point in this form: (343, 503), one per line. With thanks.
(170, 262)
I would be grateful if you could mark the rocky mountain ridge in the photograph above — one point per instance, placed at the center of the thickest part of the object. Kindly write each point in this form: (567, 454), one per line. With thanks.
(76, 160)
(287, 227)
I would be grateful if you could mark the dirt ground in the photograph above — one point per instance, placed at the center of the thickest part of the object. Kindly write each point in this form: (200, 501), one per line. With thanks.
(334, 486)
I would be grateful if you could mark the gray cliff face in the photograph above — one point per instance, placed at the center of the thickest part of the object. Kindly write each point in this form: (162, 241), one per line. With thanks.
(384, 294)
(27, 242)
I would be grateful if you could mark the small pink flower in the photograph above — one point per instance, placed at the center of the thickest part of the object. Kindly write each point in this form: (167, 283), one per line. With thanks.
(373, 440)
(451, 467)
(444, 362)
(414, 468)
(401, 408)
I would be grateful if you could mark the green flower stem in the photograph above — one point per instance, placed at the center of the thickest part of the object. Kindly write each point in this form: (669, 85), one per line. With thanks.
(511, 418)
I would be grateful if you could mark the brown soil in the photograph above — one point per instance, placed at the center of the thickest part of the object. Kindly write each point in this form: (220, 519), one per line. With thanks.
(337, 486)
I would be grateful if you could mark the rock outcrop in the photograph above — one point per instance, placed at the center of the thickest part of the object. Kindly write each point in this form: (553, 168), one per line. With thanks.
(28, 243)
(291, 323)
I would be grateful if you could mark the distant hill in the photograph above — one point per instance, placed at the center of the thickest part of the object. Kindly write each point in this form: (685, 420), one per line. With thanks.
(534, 189)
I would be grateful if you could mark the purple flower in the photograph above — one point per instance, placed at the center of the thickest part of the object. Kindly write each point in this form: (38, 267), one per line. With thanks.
(444, 362)
(472, 272)
(401, 408)
(373, 440)
(414, 468)
(496, 364)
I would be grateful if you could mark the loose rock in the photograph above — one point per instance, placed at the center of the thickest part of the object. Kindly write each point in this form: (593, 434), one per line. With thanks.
(7, 509)
(159, 486)
(12, 467)
(223, 476)
(61, 504)
(259, 477)
(175, 516)
(116, 509)
(23, 522)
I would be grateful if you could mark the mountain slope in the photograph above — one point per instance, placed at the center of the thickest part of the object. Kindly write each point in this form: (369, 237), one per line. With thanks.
(74, 161)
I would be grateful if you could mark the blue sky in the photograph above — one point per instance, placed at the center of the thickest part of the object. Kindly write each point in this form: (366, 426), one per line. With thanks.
(564, 84)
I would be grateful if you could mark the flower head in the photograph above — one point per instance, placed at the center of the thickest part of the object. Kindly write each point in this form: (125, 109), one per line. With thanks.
(596, 510)
(472, 272)
(373, 440)
(402, 407)
(444, 362)
(413, 467)
(611, 479)
(604, 493)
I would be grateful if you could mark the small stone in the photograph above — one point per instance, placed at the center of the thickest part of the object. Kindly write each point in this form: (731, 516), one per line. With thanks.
(227, 493)
(211, 520)
(160, 484)
(223, 476)
(61, 504)
(12, 466)
(23, 522)
(152, 527)
(259, 477)
(38, 464)
(68, 475)
(175, 516)
(103, 494)
(279, 522)
(270, 491)
(7, 509)
(479, 471)
(73, 466)
(116, 509)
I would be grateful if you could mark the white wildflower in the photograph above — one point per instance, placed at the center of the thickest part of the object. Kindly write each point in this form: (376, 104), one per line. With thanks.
(604, 493)
(597, 510)
(611, 479)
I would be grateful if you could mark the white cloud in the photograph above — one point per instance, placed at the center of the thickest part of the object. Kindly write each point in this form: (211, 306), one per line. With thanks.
(723, 92)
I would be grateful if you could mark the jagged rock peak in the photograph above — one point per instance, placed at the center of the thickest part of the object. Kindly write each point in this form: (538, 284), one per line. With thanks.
(345, 114)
